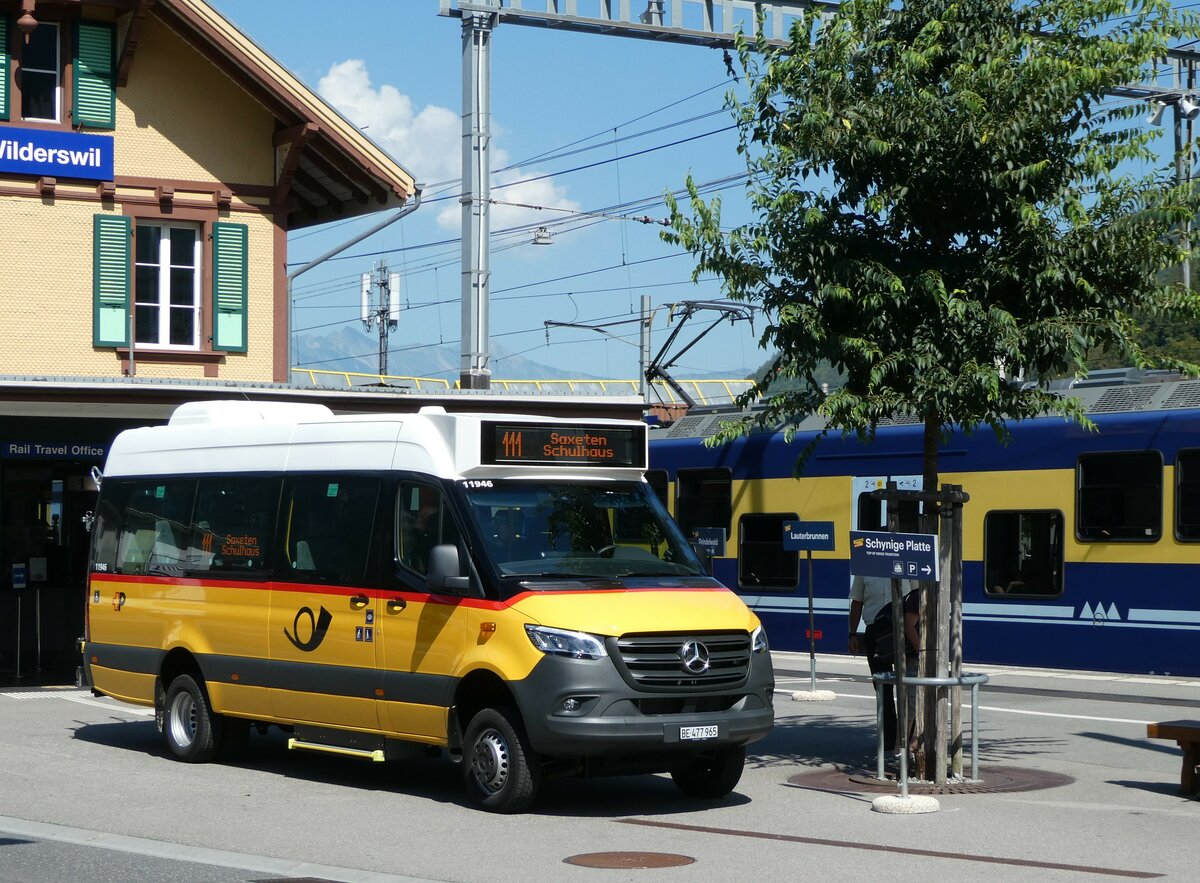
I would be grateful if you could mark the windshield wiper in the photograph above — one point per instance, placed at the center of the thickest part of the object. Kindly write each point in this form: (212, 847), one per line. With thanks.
(652, 573)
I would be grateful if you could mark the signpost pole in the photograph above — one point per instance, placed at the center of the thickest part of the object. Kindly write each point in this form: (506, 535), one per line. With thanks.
(807, 537)
(812, 631)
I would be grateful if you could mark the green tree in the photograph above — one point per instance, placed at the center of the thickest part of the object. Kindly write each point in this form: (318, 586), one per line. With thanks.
(945, 197)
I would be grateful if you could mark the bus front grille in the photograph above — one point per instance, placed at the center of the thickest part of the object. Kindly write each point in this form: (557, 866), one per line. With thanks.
(683, 661)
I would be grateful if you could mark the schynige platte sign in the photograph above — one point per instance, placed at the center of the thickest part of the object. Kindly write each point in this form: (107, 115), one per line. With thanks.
(894, 555)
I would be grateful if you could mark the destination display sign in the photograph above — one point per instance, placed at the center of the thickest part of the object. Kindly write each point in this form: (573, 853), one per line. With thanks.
(563, 445)
(895, 555)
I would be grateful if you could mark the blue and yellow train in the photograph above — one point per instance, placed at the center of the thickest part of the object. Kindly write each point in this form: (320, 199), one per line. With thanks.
(1081, 549)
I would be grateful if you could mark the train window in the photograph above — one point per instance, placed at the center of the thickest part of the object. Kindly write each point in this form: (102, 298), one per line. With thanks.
(1187, 495)
(704, 498)
(658, 480)
(763, 563)
(1119, 496)
(1023, 553)
(872, 515)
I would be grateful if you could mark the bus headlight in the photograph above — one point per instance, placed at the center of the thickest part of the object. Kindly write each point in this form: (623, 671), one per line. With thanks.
(758, 640)
(557, 642)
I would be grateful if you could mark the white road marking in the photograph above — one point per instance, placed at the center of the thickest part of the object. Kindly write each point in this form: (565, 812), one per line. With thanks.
(83, 697)
(967, 706)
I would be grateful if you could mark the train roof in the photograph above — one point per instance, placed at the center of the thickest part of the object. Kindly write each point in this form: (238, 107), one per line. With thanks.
(1107, 392)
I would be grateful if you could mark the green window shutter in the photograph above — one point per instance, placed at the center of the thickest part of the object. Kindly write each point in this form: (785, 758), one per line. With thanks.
(95, 88)
(230, 283)
(5, 67)
(111, 255)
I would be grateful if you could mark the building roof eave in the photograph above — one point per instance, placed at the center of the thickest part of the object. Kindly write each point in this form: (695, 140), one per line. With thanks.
(293, 103)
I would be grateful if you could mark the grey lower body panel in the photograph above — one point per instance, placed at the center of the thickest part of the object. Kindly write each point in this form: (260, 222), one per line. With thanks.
(614, 719)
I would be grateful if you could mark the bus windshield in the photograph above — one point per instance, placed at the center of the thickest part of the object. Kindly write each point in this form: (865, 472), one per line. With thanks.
(578, 529)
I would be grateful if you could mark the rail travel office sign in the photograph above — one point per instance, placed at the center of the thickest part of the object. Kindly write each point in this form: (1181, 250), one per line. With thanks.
(52, 153)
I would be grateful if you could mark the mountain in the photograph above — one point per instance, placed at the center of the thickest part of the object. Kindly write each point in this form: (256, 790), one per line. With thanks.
(349, 349)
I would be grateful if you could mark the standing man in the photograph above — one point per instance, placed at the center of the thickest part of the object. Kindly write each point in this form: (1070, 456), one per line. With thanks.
(868, 596)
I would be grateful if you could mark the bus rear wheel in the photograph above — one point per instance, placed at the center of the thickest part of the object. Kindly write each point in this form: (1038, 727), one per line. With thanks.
(712, 774)
(500, 769)
(191, 729)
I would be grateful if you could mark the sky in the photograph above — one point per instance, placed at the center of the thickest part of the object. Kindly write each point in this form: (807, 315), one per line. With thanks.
(590, 129)
(593, 129)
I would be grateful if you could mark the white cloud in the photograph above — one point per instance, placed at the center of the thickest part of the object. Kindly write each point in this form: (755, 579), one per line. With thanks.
(428, 143)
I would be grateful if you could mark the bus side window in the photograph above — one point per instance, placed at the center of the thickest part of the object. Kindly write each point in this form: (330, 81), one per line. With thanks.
(422, 521)
(155, 528)
(330, 524)
(234, 521)
(106, 532)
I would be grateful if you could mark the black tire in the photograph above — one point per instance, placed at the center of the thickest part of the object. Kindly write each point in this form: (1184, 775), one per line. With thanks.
(191, 730)
(712, 774)
(501, 771)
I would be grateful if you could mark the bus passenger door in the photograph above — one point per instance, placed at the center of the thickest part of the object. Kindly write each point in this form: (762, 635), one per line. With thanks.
(421, 633)
(324, 604)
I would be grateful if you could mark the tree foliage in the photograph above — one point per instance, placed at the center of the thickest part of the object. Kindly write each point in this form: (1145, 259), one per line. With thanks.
(945, 197)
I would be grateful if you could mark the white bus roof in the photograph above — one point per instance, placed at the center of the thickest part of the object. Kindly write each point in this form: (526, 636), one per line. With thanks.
(269, 437)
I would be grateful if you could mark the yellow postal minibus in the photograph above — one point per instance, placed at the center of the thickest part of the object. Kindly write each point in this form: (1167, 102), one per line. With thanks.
(504, 588)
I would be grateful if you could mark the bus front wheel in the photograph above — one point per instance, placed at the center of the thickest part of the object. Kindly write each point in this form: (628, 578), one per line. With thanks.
(191, 729)
(500, 769)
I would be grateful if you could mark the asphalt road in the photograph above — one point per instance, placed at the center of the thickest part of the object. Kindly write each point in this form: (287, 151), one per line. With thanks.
(87, 793)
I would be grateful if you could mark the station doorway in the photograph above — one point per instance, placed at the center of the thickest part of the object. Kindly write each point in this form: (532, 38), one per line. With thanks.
(43, 567)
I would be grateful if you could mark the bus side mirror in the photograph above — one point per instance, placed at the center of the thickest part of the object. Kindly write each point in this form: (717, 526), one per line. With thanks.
(445, 569)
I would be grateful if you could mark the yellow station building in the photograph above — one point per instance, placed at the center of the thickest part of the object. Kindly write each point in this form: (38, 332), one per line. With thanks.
(153, 160)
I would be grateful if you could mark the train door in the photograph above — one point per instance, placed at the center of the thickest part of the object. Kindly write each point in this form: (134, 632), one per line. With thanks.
(869, 514)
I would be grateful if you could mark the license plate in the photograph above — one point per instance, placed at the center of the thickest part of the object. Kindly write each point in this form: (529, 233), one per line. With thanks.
(690, 734)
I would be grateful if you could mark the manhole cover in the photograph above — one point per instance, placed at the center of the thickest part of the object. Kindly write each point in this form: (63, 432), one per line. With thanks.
(629, 860)
(992, 780)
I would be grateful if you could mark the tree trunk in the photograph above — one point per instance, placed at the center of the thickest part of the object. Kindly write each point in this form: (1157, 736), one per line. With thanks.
(933, 659)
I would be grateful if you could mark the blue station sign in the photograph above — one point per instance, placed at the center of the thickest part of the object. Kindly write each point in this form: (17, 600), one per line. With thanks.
(894, 555)
(56, 154)
(811, 536)
(709, 541)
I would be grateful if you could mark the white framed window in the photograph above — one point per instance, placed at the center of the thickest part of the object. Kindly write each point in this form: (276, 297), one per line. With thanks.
(167, 285)
(41, 79)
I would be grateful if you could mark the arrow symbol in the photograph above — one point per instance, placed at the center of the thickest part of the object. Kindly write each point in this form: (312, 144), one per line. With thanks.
(926, 569)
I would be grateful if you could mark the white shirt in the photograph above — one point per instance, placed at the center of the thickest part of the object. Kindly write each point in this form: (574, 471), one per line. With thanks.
(875, 592)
